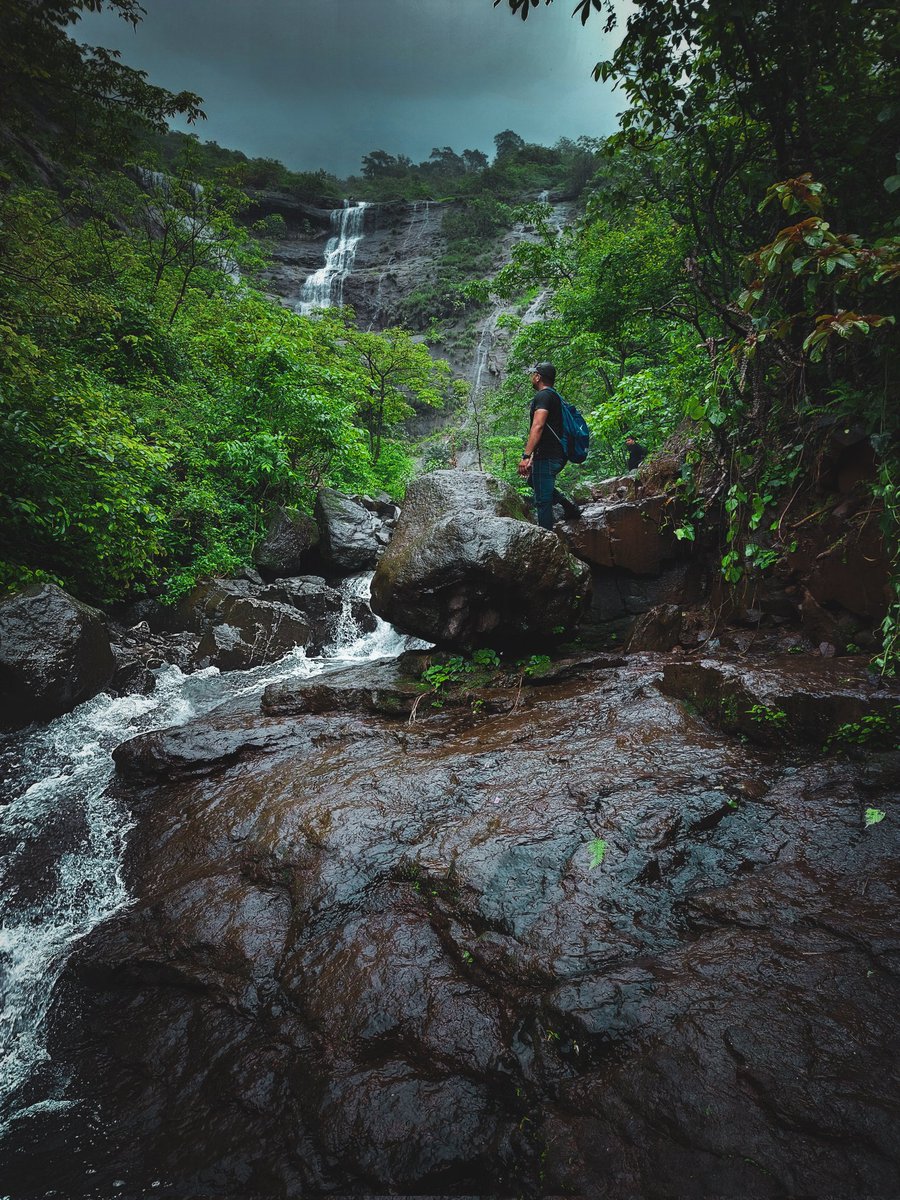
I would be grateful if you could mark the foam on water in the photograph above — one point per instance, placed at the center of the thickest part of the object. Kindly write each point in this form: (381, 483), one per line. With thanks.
(62, 835)
(325, 287)
(351, 644)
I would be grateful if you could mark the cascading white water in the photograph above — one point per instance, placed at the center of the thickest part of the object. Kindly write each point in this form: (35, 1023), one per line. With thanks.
(536, 308)
(469, 458)
(483, 350)
(489, 329)
(351, 644)
(325, 287)
(62, 836)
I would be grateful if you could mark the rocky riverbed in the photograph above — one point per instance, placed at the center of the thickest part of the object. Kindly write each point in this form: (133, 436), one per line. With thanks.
(592, 945)
(464, 922)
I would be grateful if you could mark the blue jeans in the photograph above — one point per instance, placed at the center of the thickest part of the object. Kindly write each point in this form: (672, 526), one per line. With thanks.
(543, 482)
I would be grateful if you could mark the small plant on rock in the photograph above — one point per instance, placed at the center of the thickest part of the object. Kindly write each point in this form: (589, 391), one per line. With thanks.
(597, 851)
(536, 665)
(874, 730)
(763, 715)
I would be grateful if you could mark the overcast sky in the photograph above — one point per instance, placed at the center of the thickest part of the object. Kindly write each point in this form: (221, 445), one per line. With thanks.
(319, 83)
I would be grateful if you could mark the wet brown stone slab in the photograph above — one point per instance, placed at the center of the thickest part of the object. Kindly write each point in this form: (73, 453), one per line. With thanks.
(593, 946)
(785, 700)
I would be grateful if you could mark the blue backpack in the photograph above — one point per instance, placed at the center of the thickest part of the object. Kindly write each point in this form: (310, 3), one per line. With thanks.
(575, 436)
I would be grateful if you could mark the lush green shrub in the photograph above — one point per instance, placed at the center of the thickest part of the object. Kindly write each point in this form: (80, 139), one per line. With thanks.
(153, 412)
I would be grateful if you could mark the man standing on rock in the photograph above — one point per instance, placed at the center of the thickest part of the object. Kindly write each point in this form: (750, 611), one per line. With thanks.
(543, 458)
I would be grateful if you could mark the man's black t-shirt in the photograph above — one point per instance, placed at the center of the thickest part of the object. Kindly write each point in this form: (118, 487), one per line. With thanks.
(549, 446)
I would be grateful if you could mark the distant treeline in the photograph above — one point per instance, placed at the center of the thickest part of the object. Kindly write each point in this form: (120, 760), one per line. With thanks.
(518, 167)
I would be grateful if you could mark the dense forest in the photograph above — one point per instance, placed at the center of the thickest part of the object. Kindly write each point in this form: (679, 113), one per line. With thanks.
(728, 291)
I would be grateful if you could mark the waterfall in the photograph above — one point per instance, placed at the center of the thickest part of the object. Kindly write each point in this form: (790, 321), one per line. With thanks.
(63, 836)
(325, 287)
(483, 350)
(351, 644)
(489, 328)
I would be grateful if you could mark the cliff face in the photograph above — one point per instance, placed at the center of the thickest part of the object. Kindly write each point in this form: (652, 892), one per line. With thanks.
(372, 257)
(301, 250)
(397, 252)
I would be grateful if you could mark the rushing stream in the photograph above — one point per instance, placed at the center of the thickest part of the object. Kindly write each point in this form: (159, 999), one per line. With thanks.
(62, 836)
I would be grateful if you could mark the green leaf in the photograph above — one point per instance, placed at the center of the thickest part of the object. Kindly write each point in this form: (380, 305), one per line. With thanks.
(597, 849)
(874, 815)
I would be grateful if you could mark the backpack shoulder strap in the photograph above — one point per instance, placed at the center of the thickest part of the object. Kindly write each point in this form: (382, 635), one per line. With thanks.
(562, 419)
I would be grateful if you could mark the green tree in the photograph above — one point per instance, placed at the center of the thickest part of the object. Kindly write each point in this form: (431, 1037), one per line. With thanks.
(474, 160)
(507, 144)
(76, 99)
(379, 163)
(739, 119)
(399, 374)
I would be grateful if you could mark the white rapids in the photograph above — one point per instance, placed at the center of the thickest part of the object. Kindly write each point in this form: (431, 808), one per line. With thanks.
(63, 836)
(325, 287)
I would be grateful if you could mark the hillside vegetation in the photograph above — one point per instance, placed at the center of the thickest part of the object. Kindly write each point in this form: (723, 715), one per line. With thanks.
(731, 281)
(735, 274)
(155, 407)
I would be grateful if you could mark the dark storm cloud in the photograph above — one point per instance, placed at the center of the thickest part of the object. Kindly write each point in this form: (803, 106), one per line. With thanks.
(322, 82)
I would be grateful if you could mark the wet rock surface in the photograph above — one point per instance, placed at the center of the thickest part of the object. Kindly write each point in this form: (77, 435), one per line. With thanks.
(232, 624)
(244, 625)
(285, 549)
(788, 700)
(465, 568)
(629, 535)
(595, 946)
(352, 536)
(309, 594)
(626, 536)
(140, 650)
(248, 632)
(55, 652)
(390, 687)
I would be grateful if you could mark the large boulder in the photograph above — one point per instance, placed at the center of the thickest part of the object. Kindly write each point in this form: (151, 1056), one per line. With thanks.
(627, 535)
(309, 594)
(239, 630)
(467, 568)
(243, 625)
(637, 564)
(54, 653)
(254, 634)
(352, 537)
(286, 547)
